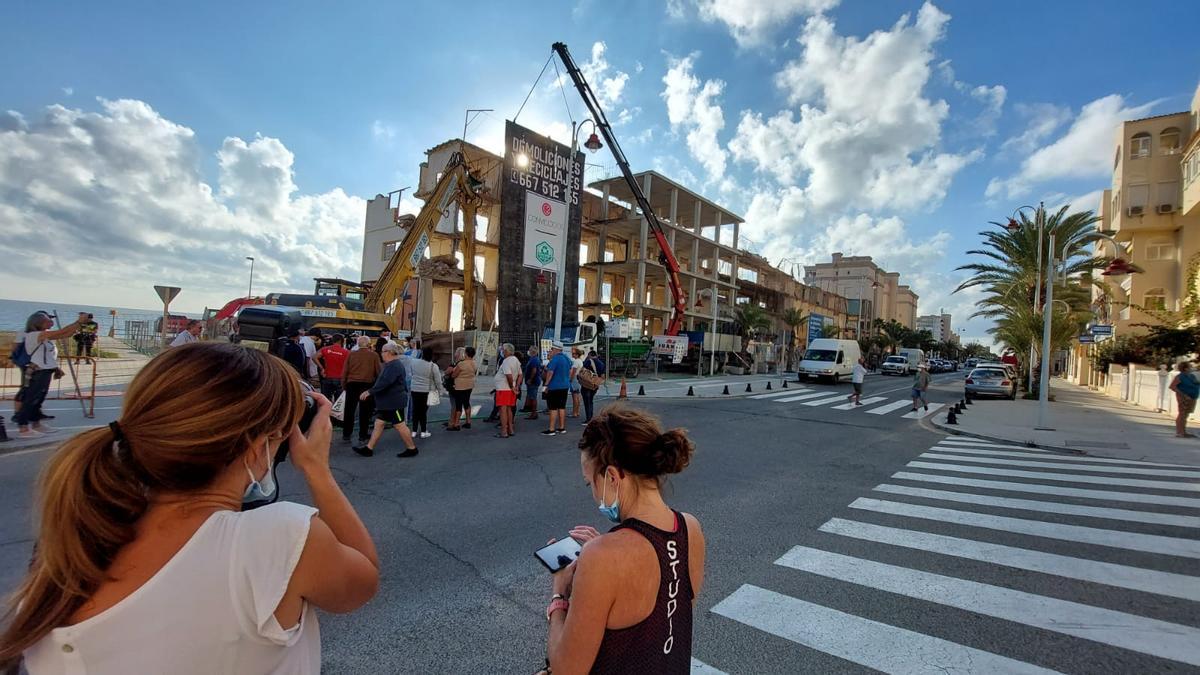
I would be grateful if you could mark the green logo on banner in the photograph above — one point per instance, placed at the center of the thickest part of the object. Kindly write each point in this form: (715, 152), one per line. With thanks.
(544, 253)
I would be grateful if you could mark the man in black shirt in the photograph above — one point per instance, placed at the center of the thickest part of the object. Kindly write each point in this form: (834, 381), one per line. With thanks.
(294, 354)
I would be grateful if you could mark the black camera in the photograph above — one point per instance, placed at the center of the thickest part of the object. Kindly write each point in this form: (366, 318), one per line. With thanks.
(310, 412)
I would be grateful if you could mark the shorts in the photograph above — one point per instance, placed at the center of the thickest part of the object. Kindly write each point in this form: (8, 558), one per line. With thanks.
(461, 398)
(575, 387)
(390, 416)
(918, 393)
(506, 397)
(556, 399)
(857, 387)
(1186, 404)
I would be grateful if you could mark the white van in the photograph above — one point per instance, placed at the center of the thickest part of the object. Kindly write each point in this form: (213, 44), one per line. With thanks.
(915, 357)
(829, 359)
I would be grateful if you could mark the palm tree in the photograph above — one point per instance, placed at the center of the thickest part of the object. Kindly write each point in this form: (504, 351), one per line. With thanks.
(830, 331)
(752, 319)
(793, 318)
(1009, 278)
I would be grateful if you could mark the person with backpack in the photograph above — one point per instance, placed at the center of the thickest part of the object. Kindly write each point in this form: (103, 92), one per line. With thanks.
(590, 377)
(36, 354)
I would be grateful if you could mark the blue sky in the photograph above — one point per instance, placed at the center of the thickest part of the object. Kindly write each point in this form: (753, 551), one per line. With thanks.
(191, 135)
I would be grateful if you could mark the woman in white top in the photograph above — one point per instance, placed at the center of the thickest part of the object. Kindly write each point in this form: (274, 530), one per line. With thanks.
(145, 562)
(36, 377)
(425, 377)
(576, 366)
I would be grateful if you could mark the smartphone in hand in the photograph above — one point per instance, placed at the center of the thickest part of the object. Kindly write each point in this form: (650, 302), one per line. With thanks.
(559, 554)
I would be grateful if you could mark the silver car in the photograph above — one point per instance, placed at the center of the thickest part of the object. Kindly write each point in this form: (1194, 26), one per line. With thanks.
(991, 381)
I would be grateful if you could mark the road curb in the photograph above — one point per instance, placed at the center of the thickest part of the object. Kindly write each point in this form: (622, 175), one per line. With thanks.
(955, 431)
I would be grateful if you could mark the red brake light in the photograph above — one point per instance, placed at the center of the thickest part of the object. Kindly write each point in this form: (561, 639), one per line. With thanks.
(1005, 383)
(970, 381)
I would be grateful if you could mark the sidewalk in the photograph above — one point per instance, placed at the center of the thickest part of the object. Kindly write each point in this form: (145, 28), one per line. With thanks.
(1083, 422)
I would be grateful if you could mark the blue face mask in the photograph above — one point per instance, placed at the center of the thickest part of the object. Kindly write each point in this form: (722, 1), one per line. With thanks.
(611, 512)
(263, 490)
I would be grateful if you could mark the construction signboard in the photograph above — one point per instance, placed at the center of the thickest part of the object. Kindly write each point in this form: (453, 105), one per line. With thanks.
(540, 213)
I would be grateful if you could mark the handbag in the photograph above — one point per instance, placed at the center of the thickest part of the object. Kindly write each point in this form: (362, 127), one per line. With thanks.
(588, 379)
(434, 397)
(338, 412)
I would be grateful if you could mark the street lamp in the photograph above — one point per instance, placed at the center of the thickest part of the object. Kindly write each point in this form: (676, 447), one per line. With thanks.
(592, 144)
(250, 289)
(1113, 269)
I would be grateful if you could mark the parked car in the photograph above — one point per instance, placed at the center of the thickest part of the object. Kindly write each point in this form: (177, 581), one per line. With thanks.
(829, 359)
(990, 381)
(1006, 367)
(894, 365)
(971, 363)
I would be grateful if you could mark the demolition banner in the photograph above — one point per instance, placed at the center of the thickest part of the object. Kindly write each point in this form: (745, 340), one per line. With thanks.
(540, 214)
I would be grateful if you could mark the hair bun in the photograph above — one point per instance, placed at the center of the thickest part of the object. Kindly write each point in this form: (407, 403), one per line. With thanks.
(672, 451)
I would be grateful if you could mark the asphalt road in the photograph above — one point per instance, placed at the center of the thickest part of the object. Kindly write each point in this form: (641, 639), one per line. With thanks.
(812, 568)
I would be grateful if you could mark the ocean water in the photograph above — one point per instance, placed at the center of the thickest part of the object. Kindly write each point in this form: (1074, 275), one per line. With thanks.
(13, 314)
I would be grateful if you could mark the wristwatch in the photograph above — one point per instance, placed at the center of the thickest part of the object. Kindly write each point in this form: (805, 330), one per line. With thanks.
(557, 603)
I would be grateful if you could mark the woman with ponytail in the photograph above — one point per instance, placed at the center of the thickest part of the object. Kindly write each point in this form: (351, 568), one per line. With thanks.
(145, 562)
(625, 605)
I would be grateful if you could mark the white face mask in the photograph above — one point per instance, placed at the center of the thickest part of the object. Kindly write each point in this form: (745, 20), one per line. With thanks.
(260, 489)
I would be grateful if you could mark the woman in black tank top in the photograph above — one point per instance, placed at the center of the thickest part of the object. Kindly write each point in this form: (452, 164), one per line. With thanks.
(625, 606)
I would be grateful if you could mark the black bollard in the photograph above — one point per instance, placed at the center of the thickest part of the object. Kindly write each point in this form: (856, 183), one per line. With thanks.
(951, 417)
(785, 384)
(725, 392)
(641, 390)
(768, 386)
(3, 431)
(748, 389)
(690, 392)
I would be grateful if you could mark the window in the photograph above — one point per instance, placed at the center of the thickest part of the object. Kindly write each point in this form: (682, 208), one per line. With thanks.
(606, 292)
(389, 250)
(748, 274)
(1139, 196)
(1160, 250)
(1168, 195)
(1168, 141)
(582, 290)
(480, 267)
(1155, 298)
(583, 254)
(1117, 159)
(1139, 146)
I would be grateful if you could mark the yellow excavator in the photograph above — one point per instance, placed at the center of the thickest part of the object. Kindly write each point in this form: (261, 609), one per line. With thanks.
(343, 306)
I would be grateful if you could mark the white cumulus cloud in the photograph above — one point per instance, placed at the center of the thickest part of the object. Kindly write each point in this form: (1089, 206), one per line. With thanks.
(114, 201)
(694, 107)
(751, 22)
(1084, 151)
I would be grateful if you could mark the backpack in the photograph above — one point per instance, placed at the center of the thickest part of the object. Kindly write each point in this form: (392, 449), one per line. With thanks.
(20, 356)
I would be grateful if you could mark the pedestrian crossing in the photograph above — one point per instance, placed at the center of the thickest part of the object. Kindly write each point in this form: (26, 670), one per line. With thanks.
(934, 524)
(875, 405)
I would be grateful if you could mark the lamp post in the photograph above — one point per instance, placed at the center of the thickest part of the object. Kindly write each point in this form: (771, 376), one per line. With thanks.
(1118, 267)
(592, 144)
(250, 289)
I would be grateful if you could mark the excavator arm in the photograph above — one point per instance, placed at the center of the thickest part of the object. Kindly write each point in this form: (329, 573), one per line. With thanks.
(456, 184)
(666, 256)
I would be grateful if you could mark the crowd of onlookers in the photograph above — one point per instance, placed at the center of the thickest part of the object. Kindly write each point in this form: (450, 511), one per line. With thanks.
(379, 382)
(170, 515)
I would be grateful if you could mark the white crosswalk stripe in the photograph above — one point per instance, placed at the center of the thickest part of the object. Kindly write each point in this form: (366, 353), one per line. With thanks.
(868, 643)
(1109, 574)
(1055, 514)
(826, 401)
(866, 401)
(781, 392)
(1035, 488)
(1128, 631)
(801, 397)
(1064, 477)
(1045, 507)
(1046, 454)
(885, 409)
(1174, 473)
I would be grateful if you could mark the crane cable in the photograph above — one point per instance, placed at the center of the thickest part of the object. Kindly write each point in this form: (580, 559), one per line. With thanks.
(535, 84)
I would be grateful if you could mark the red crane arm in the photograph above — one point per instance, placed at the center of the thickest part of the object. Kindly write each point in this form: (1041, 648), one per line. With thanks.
(666, 256)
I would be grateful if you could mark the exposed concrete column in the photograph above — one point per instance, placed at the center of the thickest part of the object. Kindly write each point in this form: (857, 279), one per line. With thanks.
(694, 262)
(737, 228)
(674, 217)
(645, 231)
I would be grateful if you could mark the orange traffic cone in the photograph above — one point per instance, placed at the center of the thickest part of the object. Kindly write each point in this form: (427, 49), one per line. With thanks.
(624, 392)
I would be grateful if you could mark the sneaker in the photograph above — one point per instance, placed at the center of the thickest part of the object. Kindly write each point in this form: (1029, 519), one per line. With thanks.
(411, 452)
(562, 431)
(47, 417)
(363, 450)
(425, 434)
(857, 403)
(467, 425)
(927, 406)
(548, 432)
(29, 433)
